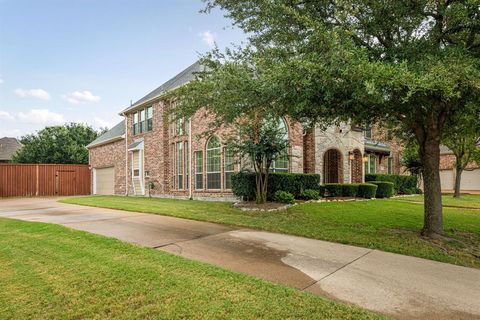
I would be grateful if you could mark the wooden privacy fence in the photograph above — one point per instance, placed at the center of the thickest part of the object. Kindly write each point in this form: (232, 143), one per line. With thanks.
(18, 180)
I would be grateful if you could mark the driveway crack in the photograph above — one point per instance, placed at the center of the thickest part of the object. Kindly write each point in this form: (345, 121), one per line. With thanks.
(342, 267)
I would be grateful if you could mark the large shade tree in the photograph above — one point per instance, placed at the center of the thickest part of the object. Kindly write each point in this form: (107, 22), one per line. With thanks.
(410, 64)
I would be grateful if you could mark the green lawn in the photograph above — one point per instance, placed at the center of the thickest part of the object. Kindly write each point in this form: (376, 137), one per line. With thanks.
(52, 272)
(389, 225)
(465, 201)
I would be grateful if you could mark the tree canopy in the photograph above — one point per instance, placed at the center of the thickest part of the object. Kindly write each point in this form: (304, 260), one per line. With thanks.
(57, 144)
(409, 64)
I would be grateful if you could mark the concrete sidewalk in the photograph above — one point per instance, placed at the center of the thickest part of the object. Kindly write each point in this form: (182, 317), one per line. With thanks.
(400, 286)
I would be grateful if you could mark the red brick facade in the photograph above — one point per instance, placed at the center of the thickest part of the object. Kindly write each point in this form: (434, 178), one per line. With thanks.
(111, 155)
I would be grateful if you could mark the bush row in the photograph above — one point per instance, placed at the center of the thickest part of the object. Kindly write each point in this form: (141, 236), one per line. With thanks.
(401, 184)
(243, 184)
(361, 190)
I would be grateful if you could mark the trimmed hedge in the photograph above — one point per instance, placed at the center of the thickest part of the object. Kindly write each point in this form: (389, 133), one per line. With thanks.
(367, 190)
(350, 189)
(243, 183)
(333, 189)
(401, 184)
(384, 190)
(310, 194)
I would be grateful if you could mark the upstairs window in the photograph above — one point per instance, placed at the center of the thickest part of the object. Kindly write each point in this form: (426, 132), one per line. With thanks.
(142, 121)
(149, 118)
(368, 132)
(135, 123)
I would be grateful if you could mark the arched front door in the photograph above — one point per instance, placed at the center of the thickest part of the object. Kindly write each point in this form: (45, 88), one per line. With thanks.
(332, 166)
(357, 167)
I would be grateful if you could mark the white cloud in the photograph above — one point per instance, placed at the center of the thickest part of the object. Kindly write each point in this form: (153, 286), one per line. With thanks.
(40, 116)
(1, 80)
(34, 93)
(100, 123)
(208, 38)
(4, 115)
(77, 97)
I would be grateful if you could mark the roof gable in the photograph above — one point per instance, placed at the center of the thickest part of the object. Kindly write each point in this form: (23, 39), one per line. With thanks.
(8, 147)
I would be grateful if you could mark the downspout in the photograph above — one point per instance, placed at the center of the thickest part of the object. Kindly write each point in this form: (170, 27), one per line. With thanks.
(190, 160)
(126, 154)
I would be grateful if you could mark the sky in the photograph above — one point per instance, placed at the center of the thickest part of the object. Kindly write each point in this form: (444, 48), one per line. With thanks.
(85, 60)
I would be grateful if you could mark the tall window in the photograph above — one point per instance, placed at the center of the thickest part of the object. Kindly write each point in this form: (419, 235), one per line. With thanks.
(135, 123)
(198, 170)
(187, 162)
(180, 126)
(213, 164)
(179, 165)
(368, 132)
(390, 165)
(370, 164)
(228, 167)
(149, 118)
(142, 121)
(280, 163)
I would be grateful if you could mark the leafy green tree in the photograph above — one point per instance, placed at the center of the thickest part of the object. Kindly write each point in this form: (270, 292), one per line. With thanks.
(57, 144)
(411, 159)
(462, 137)
(410, 64)
(233, 91)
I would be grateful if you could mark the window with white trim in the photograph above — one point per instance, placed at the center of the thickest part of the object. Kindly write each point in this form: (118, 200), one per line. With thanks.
(135, 123)
(371, 164)
(149, 118)
(213, 164)
(228, 167)
(179, 165)
(390, 165)
(280, 163)
(198, 170)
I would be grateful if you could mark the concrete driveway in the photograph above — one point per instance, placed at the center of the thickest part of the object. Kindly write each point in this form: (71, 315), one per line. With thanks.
(396, 285)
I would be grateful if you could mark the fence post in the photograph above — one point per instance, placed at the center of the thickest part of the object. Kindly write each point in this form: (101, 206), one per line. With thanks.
(37, 181)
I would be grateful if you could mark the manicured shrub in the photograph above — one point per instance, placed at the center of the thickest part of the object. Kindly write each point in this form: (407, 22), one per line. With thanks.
(333, 189)
(243, 183)
(283, 197)
(349, 189)
(401, 184)
(384, 190)
(367, 190)
(310, 194)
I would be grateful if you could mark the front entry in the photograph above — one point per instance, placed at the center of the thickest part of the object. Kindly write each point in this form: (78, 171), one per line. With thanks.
(332, 166)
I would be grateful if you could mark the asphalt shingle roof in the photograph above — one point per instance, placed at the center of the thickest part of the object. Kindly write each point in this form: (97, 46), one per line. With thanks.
(8, 147)
(115, 133)
(180, 79)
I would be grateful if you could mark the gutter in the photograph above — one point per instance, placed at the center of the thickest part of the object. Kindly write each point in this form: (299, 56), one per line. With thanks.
(105, 142)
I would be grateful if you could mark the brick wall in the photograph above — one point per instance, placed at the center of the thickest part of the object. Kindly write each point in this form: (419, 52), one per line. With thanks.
(108, 155)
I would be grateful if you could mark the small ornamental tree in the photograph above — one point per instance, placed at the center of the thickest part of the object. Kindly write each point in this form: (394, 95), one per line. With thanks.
(462, 137)
(260, 139)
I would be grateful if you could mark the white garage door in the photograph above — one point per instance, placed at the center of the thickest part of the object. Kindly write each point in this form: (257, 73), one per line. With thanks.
(446, 178)
(470, 180)
(104, 180)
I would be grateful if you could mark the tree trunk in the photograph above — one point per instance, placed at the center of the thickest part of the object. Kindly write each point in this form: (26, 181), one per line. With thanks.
(433, 216)
(458, 179)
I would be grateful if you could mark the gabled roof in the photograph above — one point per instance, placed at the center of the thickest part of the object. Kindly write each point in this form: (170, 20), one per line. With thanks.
(116, 133)
(8, 147)
(180, 79)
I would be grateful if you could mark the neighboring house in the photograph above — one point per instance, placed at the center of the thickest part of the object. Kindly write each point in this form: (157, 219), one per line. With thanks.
(8, 148)
(149, 154)
(470, 180)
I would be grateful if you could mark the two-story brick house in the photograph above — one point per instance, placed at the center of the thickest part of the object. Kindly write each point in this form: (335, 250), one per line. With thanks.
(148, 154)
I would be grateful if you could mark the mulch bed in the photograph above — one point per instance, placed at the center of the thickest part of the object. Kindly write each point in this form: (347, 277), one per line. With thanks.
(253, 206)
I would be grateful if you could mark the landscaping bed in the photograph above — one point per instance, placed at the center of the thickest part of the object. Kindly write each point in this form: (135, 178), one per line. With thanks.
(52, 272)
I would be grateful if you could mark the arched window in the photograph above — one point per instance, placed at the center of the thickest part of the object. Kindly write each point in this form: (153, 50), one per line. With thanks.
(280, 164)
(213, 163)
